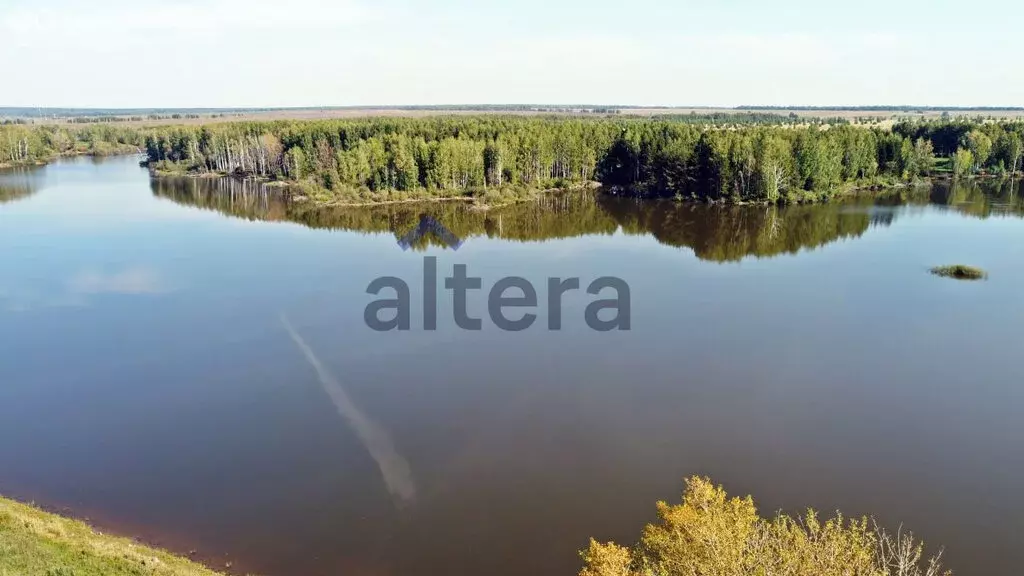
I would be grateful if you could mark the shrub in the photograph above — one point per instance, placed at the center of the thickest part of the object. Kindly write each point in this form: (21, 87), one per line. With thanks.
(711, 534)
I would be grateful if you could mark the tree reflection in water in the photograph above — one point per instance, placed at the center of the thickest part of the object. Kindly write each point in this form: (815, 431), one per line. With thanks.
(720, 233)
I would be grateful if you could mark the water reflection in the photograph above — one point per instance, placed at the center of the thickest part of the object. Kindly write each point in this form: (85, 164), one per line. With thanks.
(19, 183)
(729, 233)
(714, 232)
(981, 201)
(249, 199)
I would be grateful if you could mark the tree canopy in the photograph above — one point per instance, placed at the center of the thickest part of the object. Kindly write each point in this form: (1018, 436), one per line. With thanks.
(702, 158)
(712, 534)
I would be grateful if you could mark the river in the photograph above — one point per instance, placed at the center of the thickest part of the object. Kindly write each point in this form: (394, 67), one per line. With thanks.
(187, 361)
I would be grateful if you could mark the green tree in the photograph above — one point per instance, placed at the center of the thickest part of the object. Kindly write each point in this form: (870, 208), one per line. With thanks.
(920, 159)
(711, 167)
(774, 166)
(1010, 150)
(963, 162)
(493, 168)
(980, 146)
(819, 161)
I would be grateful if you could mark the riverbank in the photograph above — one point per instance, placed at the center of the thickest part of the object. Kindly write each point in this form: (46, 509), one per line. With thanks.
(120, 150)
(481, 197)
(37, 543)
(488, 197)
(27, 164)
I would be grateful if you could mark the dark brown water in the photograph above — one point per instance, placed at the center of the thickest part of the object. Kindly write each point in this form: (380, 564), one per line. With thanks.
(803, 355)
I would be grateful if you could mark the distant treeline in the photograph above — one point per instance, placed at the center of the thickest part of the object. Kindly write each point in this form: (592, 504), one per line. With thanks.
(40, 112)
(739, 119)
(34, 144)
(950, 109)
(96, 119)
(109, 119)
(971, 147)
(707, 157)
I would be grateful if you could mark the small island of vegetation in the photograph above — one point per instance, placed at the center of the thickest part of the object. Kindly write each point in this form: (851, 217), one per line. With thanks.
(960, 272)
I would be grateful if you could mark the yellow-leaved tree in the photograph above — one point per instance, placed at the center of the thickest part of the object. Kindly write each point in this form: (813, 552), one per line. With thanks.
(711, 534)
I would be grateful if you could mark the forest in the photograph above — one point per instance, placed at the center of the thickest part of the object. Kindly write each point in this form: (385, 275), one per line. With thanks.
(746, 158)
(29, 144)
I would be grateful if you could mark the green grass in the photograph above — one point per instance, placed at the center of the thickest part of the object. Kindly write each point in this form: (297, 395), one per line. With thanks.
(37, 543)
(960, 272)
(942, 165)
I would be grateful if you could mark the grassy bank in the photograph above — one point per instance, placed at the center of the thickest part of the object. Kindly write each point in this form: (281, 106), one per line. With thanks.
(37, 543)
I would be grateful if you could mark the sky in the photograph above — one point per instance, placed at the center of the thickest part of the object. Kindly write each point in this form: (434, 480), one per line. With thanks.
(280, 53)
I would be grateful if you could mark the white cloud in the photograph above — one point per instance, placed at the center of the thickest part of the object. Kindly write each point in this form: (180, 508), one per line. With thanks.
(132, 281)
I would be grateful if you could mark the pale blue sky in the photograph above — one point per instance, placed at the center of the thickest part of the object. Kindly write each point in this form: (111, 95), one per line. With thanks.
(356, 52)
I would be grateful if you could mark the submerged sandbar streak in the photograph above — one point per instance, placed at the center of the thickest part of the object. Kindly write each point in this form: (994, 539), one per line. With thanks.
(393, 467)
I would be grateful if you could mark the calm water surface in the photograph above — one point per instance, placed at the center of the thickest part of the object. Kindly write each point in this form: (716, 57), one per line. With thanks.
(803, 355)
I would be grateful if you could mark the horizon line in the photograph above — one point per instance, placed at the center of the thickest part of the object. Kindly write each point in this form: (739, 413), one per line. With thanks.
(464, 106)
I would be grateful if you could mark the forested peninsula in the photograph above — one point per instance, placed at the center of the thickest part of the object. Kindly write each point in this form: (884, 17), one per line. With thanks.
(751, 158)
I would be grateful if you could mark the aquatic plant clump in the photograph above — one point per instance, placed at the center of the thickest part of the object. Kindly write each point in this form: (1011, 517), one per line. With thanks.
(960, 272)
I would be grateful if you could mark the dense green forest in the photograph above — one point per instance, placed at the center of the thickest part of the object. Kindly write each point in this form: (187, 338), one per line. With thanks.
(739, 158)
(386, 159)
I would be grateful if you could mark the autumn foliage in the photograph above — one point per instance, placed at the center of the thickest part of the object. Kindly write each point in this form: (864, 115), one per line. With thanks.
(712, 534)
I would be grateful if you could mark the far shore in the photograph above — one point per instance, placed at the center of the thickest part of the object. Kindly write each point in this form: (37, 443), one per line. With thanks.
(301, 192)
